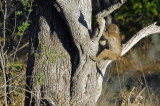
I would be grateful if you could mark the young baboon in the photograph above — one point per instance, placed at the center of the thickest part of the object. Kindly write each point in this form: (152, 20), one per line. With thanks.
(112, 35)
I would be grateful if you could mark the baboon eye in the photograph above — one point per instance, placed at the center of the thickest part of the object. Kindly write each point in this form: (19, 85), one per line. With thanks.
(114, 29)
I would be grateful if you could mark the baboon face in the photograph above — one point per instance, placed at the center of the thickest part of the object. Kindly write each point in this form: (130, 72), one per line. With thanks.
(112, 28)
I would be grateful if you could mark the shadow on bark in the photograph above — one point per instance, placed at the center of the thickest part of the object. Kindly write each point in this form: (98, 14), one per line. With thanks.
(58, 26)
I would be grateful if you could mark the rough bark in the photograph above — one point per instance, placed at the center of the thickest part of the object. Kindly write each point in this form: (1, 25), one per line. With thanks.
(72, 79)
(52, 52)
(83, 80)
(60, 45)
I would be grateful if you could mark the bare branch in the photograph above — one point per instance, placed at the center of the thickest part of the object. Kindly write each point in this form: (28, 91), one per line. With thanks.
(112, 8)
(4, 25)
(23, 46)
(100, 19)
(151, 29)
(98, 32)
(2, 58)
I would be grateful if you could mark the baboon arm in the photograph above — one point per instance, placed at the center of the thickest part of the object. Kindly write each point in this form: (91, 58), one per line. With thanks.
(107, 54)
(105, 34)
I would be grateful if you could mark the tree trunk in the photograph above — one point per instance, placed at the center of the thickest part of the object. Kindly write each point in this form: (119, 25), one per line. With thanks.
(51, 57)
(59, 69)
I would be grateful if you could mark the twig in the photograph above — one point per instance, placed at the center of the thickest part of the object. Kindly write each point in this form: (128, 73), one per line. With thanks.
(139, 96)
(145, 82)
(2, 54)
(129, 103)
(4, 25)
(1, 7)
(22, 35)
(14, 77)
(24, 90)
(19, 49)
(15, 23)
(4, 76)
(119, 79)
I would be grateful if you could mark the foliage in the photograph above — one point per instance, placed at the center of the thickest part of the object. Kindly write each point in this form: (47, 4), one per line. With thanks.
(16, 27)
(18, 12)
(136, 14)
(51, 55)
(22, 28)
(41, 77)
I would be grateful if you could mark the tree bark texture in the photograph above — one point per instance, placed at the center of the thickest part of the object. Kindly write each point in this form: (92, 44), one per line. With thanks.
(59, 70)
(56, 55)
(52, 57)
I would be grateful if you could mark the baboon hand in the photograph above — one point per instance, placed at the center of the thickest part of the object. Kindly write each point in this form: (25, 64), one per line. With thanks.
(100, 64)
(94, 58)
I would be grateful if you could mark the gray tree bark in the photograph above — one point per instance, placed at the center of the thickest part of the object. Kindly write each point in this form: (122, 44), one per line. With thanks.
(52, 57)
(59, 70)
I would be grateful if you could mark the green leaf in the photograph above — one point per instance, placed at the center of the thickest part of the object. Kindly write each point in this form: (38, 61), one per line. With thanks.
(154, 11)
(45, 62)
(30, 10)
(17, 66)
(41, 78)
(18, 12)
(19, 33)
(39, 41)
(22, 28)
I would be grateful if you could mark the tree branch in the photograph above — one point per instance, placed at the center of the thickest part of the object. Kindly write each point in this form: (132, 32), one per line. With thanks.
(151, 29)
(100, 19)
(2, 57)
(112, 8)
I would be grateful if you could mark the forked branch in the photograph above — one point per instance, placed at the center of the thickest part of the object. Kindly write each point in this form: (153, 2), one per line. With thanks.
(100, 19)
